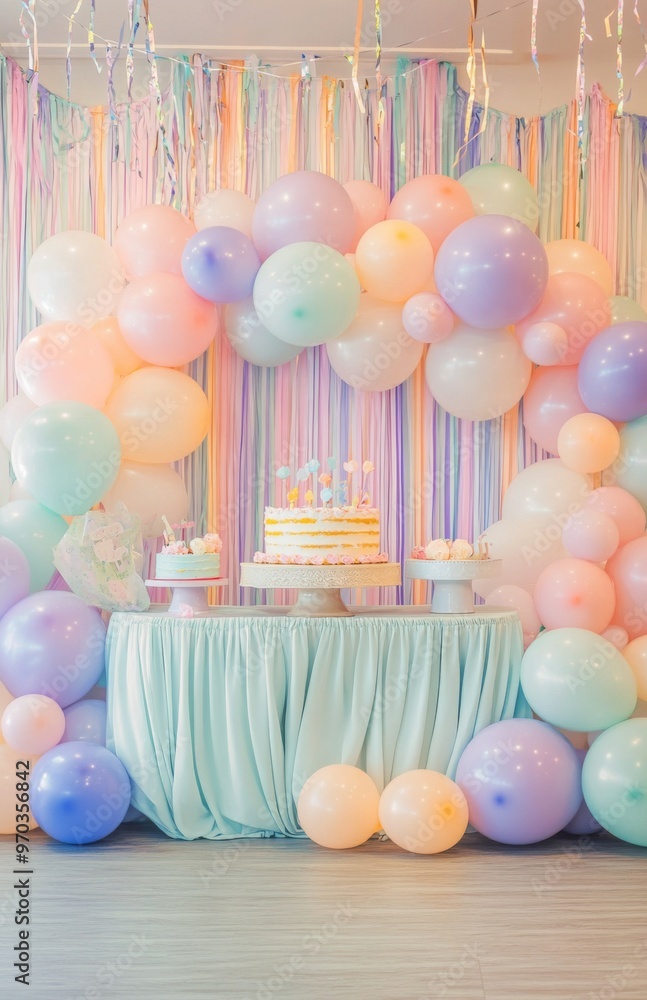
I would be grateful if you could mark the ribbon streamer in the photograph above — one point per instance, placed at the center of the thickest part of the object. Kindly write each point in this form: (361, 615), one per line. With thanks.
(354, 59)
(156, 91)
(533, 35)
(134, 13)
(93, 54)
(471, 73)
(29, 7)
(68, 54)
(621, 82)
(580, 80)
(378, 65)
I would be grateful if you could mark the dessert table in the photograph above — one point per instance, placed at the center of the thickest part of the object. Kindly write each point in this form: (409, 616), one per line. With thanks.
(219, 720)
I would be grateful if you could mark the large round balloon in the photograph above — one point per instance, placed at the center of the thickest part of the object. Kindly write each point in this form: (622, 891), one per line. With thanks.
(10, 786)
(52, 643)
(75, 276)
(394, 260)
(225, 207)
(86, 721)
(581, 257)
(588, 442)
(15, 575)
(67, 455)
(545, 343)
(220, 264)
(33, 724)
(305, 206)
(575, 679)
(423, 811)
(369, 205)
(629, 472)
(160, 415)
(123, 357)
(12, 415)
(427, 317)
(625, 510)
(574, 593)
(591, 534)
(521, 780)
(613, 780)
(375, 352)
(491, 271)
(477, 374)
(164, 322)
(60, 361)
(550, 400)
(149, 491)
(583, 822)
(497, 189)
(151, 239)
(613, 372)
(625, 310)
(36, 530)
(526, 545)
(546, 488)
(628, 570)
(250, 338)
(80, 793)
(338, 807)
(517, 599)
(306, 294)
(434, 203)
(578, 306)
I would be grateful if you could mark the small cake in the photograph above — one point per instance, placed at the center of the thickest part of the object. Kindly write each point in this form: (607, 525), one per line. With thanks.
(197, 559)
(459, 550)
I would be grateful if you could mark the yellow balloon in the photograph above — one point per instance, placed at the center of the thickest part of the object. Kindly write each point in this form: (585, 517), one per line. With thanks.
(635, 653)
(394, 260)
(581, 257)
(424, 812)
(338, 807)
(123, 357)
(11, 786)
(588, 443)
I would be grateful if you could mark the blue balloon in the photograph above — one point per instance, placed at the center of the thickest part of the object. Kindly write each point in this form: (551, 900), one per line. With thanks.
(220, 264)
(85, 721)
(80, 793)
(615, 783)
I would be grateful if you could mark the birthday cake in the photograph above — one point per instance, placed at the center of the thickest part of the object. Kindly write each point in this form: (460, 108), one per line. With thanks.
(459, 550)
(194, 559)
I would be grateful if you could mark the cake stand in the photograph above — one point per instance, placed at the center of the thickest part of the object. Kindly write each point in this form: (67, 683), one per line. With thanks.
(190, 598)
(452, 579)
(319, 586)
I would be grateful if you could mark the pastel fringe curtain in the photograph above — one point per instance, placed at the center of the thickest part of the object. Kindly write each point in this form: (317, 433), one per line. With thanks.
(70, 167)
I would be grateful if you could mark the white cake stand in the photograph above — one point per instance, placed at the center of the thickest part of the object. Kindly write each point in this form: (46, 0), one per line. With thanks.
(319, 586)
(190, 598)
(452, 578)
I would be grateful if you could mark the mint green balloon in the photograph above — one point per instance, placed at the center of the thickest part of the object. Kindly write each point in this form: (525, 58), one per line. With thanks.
(306, 294)
(614, 781)
(496, 189)
(630, 468)
(36, 530)
(626, 310)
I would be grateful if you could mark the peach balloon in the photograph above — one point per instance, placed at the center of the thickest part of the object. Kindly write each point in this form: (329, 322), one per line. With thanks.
(124, 359)
(580, 257)
(12, 415)
(369, 204)
(517, 599)
(225, 207)
(338, 807)
(394, 260)
(591, 534)
(616, 635)
(628, 570)
(149, 491)
(588, 443)
(8, 790)
(424, 812)
(434, 203)
(573, 593)
(552, 398)
(33, 724)
(576, 305)
(636, 656)
(62, 361)
(151, 240)
(622, 506)
(160, 415)
(5, 699)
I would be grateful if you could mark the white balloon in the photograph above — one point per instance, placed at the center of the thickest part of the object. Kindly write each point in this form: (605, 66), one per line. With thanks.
(250, 338)
(12, 415)
(547, 488)
(5, 478)
(526, 545)
(75, 276)
(225, 208)
(149, 491)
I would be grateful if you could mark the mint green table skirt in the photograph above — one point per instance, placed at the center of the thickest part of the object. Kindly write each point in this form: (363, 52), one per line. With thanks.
(220, 720)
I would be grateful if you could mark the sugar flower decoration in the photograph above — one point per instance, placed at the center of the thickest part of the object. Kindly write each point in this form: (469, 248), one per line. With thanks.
(283, 472)
(351, 466)
(368, 467)
(309, 497)
(326, 495)
(313, 465)
(331, 463)
(302, 474)
(325, 479)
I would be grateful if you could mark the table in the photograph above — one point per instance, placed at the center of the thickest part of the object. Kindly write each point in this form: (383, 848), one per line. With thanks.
(220, 720)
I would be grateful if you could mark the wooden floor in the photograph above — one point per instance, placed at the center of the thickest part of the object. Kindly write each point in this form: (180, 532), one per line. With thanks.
(142, 917)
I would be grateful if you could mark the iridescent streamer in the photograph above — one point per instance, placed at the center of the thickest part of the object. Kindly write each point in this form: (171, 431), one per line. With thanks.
(580, 83)
(68, 53)
(111, 61)
(157, 93)
(93, 54)
(619, 73)
(533, 35)
(378, 65)
(486, 87)
(471, 73)
(354, 59)
(134, 12)
(29, 7)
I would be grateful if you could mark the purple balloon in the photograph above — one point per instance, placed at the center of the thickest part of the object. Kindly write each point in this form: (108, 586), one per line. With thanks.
(14, 575)
(583, 822)
(305, 206)
(491, 271)
(521, 779)
(220, 264)
(52, 643)
(85, 721)
(612, 377)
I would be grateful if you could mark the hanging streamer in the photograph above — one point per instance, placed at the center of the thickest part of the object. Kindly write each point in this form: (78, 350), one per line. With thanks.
(621, 82)
(378, 65)
(111, 61)
(93, 54)
(533, 35)
(68, 54)
(471, 74)
(134, 11)
(354, 59)
(157, 93)
(580, 80)
(29, 7)
(486, 86)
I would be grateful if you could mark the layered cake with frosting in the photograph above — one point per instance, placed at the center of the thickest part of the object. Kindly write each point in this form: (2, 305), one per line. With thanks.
(194, 559)
(459, 550)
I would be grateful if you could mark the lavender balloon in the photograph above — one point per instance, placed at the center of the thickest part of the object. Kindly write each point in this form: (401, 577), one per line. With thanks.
(220, 264)
(521, 779)
(583, 822)
(85, 721)
(491, 271)
(305, 206)
(14, 575)
(612, 377)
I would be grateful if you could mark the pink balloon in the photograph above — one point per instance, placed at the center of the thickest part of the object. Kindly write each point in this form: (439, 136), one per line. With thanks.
(550, 400)
(628, 570)
(578, 305)
(433, 202)
(617, 636)
(62, 361)
(622, 506)
(591, 534)
(369, 203)
(544, 343)
(33, 724)
(305, 206)
(151, 239)
(517, 599)
(427, 318)
(164, 322)
(573, 593)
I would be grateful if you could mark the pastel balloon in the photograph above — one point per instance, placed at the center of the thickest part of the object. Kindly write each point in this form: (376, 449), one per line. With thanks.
(477, 374)
(627, 570)
(67, 455)
(613, 780)
(427, 318)
(624, 509)
(250, 338)
(151, 239)
(15, 575)
(36, 530)
(369, 204)
(80, 793)
(52, 643)
(573, 593)
(588, 442)
(5, 699)
(625, 310)
(491, 271)
(424, 812)
(338, 807)
(497, 189)
(108, 333)
(544, 343)
(60, 361)
(394, 260)
(220, 264)
(580, 257)
(575, 679)
(160, 415)
(75, 276)
(583, 821)
(303, 207)
(550, 400)
(375, 353)
(164, 321)
(546, 488)
(517, 599)
(521, 780)
(33, 724)
(578, 306)
(306, 294)
(225, 207)
(591, 534)
(629, 472)
(12, 415)
(434, 203)
(85, 721)
(635, 653)
(612, 378)
(526, 545)
(149, 491)
(617, 636)
(8, 783)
